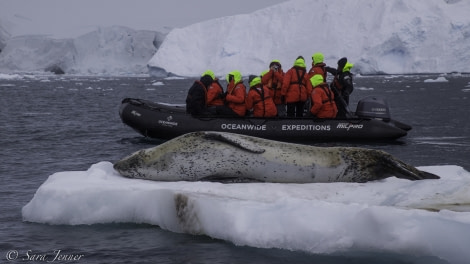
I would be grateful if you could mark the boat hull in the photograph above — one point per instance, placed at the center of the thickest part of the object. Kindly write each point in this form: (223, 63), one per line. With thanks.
(163, 121)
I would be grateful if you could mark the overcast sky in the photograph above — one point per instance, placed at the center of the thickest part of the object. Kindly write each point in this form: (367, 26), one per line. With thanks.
(69, 18)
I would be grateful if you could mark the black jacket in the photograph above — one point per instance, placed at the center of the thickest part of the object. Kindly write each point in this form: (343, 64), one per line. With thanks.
(196, 99)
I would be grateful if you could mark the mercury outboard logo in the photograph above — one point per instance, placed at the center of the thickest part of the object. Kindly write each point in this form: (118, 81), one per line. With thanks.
(379, 109)
(348, 126)
(135, 113)
(169, 118)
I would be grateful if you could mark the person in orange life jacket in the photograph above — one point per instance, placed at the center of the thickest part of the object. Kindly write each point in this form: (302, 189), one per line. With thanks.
(214, 91)
(294, 88)
(323, 100)
(272, 78)
(343, 86)
(234, 97)
(259, 99)
(196, 100)
(318, 66)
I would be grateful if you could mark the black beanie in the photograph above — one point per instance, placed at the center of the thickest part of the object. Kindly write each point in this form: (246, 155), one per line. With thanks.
(342, 62)
(206, 80)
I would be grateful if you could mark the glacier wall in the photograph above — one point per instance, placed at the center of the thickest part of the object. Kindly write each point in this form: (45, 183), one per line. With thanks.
(378, 36)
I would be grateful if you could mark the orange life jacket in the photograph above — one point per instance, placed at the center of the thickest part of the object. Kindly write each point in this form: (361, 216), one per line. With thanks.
(214, 94)
(318, 68)
(323, 102)
(236, 98)
(294, 85)
(273, 80)
(261, 102)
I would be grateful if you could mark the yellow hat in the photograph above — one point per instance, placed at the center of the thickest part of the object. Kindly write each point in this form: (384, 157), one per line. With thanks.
(316, 80)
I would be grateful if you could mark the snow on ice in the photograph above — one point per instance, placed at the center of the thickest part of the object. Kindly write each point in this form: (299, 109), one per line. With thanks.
(438, 79)
(422, 218)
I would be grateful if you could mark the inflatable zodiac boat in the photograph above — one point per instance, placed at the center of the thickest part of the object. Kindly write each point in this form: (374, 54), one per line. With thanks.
(371, 121)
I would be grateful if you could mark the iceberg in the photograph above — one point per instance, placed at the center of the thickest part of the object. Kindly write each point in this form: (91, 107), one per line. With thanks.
(417, 218)
(36, 53)
(4, 35)
(393, 37)
(107, 51)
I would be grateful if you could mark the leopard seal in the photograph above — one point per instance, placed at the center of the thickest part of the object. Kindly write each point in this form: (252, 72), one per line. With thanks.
(222, 156)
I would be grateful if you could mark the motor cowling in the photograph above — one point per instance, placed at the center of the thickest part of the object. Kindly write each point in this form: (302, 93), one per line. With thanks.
(373, 107)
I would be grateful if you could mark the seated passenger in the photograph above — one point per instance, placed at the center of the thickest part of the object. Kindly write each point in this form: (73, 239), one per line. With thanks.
(323, 99)
(259, 100)
(214, 91)
(196, 100)
(234, 97)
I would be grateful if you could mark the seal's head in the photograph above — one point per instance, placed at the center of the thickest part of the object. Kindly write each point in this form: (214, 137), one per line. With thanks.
(130, 166)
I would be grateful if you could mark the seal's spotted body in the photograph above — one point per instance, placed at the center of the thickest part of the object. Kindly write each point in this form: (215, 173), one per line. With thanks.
(223, 156)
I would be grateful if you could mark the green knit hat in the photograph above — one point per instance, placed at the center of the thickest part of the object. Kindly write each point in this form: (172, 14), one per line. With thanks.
(210, 73)
(317, 57)
(255, 81)
(299, 63)
(316, 80)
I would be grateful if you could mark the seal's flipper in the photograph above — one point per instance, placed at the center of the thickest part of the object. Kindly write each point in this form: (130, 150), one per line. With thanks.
(235, 140)
(400, 169)
(428, 175)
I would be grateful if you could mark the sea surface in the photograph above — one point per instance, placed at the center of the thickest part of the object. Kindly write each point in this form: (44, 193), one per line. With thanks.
(51, 124)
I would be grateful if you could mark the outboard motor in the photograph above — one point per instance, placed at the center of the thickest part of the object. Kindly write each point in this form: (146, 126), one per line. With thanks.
(373, 107)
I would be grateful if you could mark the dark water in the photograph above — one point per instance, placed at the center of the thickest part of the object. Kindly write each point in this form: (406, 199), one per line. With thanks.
(50, 124)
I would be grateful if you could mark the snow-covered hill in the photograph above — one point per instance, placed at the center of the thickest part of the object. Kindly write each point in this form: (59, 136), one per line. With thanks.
(106, 51)
(378, 36)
